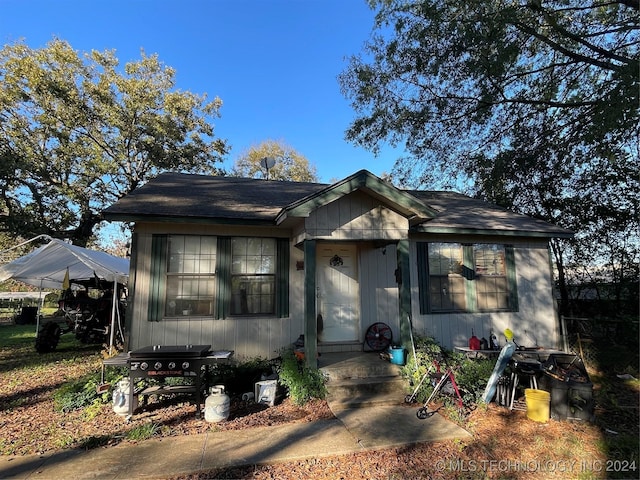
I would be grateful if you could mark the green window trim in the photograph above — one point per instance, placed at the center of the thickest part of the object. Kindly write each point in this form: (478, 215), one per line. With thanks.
(223, 273)
(512, 281)
(422, 253)
(282, 277)
(468, 273)
(157, 281)
(222, 306)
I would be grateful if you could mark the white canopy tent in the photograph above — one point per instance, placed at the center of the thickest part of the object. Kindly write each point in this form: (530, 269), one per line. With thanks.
(47, 266)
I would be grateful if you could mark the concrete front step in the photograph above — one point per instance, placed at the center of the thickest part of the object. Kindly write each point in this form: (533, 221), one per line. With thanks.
(343, 366)
(363, 400)
(365, 392)
(361, 380)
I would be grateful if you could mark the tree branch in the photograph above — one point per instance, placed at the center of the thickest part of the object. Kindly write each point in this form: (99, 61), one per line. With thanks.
(552, 21)
(569, 53)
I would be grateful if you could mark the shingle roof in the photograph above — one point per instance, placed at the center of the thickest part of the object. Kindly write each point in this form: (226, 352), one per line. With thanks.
(199, 196)
(459, 213)
(183, 197)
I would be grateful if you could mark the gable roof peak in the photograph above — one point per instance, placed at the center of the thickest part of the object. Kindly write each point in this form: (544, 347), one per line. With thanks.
(363, 180)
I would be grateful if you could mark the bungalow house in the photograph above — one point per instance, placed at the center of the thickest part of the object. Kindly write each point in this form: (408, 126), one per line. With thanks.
(250, 265)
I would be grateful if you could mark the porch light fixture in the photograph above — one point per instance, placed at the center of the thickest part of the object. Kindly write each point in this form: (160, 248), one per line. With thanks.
(336, 261)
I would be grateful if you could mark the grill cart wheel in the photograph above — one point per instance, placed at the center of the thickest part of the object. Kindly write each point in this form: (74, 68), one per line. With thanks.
(48, 337)
(379, 336)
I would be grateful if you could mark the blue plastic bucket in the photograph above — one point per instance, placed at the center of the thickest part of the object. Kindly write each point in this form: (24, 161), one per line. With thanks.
(397, 355)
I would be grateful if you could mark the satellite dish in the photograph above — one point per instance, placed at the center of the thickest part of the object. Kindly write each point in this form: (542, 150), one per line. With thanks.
(267, 163)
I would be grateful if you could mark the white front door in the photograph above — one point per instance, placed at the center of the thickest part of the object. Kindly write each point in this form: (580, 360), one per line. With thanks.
(338, 293)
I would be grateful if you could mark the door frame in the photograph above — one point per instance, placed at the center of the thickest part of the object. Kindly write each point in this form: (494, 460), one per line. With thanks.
(354, 299)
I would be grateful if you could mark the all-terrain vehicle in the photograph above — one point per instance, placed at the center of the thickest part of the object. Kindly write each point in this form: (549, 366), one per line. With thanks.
(85, 310)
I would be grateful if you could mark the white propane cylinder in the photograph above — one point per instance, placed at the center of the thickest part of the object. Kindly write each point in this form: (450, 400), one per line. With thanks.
(217, 405)
(121, 398)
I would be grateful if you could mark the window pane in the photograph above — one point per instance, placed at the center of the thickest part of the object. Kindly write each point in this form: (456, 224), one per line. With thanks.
(238, 264)
(252, 294)
(489, 259)
(191, 254)
(445, 258)
(188, 295)
(190, 275)
(253, 267)
(446, 284)
(254, 246)
(492, 287)
(253, 279)
(239, 246)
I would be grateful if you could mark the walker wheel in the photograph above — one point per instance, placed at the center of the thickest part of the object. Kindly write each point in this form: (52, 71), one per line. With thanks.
(422, 413)
(409, 399)
(379, 336)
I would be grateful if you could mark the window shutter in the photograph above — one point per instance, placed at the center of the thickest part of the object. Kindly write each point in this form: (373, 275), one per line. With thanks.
(282, 277)
(157, 283)
(423, 276)
(223, 277)
(510, 260)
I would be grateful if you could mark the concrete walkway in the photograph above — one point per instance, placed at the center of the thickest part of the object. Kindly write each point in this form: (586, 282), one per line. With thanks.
(354, 430)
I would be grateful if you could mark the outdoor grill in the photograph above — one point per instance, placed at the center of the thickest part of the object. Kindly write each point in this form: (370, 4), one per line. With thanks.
(162, 361)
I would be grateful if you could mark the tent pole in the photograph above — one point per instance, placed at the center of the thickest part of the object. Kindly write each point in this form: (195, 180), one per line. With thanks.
(113, 314)
(38, 312)
(47, 237)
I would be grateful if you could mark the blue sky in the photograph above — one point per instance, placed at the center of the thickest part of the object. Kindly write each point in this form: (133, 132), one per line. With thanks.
(274, 63)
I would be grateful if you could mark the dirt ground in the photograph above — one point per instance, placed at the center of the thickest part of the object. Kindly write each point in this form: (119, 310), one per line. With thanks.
(505, 444)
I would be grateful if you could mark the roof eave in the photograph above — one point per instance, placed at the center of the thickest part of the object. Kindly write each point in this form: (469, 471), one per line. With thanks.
(490, 232)
(137, 218)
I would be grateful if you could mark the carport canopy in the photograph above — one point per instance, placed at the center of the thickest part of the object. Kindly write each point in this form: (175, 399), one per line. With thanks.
(46, 266)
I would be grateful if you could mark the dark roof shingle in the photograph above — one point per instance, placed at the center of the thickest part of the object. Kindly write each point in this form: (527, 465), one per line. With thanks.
(253, 201)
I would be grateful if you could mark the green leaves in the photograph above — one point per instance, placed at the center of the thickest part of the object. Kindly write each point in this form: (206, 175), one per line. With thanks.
(79, 131)
(532, 105)
(288, 163)
(436, 72)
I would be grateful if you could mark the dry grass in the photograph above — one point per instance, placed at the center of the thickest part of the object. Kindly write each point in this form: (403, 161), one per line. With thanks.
(505, 444)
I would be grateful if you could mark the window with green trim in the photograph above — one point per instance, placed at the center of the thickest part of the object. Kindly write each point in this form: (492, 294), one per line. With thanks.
(446, 283)
(253, 276)
(454, 277)
(492, 287)
(191, 275)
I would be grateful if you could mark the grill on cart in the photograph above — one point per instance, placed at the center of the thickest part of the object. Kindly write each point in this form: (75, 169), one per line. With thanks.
(162, 361)
(167, 360)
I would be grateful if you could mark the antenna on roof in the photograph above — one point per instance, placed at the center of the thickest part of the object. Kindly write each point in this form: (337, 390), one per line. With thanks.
(267, 163)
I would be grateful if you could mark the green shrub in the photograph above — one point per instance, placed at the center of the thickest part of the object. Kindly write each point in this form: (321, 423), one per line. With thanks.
(75, 395)
(428, 351)
(240, 378)
(471, 375)
(302, 382)
(143, 432)
(81, 393)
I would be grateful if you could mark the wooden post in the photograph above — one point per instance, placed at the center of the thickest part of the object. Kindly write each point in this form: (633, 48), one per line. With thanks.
(404, 291)
(310, 320)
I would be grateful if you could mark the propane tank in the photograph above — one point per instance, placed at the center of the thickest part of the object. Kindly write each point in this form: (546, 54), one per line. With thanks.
(217, 405)
(121, 398)
(493, 342)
